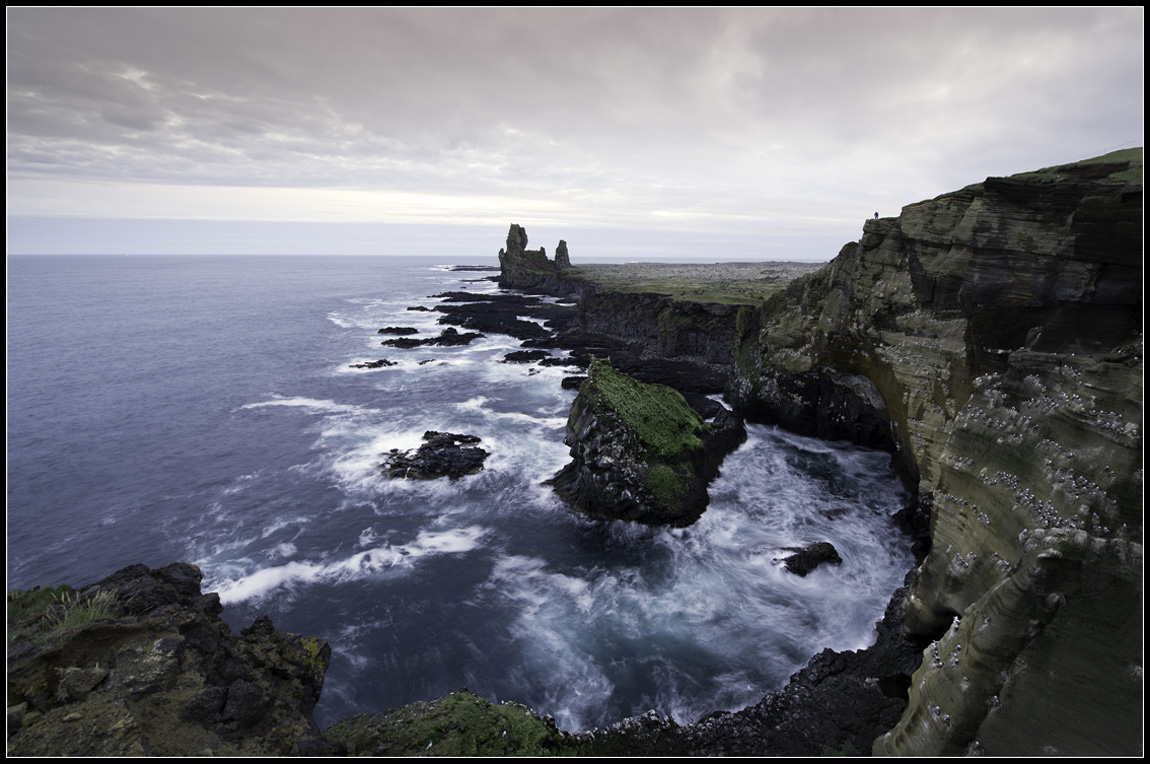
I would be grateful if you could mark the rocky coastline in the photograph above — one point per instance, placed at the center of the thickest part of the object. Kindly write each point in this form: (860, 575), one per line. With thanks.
(990, 339)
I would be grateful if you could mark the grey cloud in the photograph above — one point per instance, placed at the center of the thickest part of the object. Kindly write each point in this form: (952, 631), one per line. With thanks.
(659, 104)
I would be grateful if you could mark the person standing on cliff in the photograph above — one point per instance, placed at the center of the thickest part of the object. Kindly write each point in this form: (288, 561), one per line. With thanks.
(876, 216)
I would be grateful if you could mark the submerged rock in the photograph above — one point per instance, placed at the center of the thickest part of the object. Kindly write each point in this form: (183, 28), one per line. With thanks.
(372, 364)
(445, 454)
(640, 453)
(805, 559)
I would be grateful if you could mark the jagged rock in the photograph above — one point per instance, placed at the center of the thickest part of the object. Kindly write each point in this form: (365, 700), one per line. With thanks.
(444, 454)
(501, 313)
(640, 453)
(525, 356)
(805, 559)
(562, 259)
(449, 337)
(530, 269)
(398, 330)
(140, 663)
(372, 364)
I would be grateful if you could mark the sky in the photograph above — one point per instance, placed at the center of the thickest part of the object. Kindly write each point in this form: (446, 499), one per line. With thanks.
(704, 133)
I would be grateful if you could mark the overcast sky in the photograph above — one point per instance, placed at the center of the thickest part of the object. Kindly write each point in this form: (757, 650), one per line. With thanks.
(784, 127)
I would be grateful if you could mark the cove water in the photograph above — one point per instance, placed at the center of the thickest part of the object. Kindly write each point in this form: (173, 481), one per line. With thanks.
(204, 409)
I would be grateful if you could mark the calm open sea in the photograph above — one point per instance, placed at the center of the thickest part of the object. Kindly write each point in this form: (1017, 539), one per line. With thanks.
(203, 409)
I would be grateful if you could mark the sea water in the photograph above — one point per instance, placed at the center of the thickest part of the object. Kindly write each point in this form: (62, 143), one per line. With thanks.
(206, 409)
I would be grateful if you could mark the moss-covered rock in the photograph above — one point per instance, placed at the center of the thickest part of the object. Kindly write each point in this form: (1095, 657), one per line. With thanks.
(140, 663)
(459, 724)
(640, 452)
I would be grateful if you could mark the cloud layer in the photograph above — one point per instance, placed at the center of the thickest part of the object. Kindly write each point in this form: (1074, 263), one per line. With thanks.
(738, 119)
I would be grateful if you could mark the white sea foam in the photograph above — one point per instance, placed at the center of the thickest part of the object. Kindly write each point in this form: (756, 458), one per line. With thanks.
(295, 574)
(325, 407)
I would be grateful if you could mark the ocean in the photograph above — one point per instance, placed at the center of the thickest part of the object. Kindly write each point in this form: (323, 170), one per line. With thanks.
(205, 409)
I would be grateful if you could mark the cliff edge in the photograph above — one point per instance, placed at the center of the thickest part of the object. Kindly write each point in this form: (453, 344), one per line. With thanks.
(993, 337)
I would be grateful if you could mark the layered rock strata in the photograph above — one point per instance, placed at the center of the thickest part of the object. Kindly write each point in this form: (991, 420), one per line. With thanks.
(996, 332)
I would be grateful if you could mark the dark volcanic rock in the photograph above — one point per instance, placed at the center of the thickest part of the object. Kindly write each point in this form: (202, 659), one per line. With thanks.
(445, 454)
(516, 315)
(447, 338)
(529, 269)
(805, 559)
(398, 330)
(140, 664)
(640, 452)
(526, 356)
(372, 364)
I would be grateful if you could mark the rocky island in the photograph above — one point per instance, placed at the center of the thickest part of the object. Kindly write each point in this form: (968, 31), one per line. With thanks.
(990, 339)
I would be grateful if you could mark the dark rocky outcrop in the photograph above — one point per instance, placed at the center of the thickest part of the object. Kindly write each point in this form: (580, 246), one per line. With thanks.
(640, 452)
(530, 269)
(526, 356)
(806, 559)
(141, 664)
(443, 454)
(519, 316)
(382, 362)
(449, 337)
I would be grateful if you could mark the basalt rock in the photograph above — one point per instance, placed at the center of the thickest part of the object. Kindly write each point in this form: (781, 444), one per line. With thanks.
(806, 559)
(640, 452)
(449, 337)
(444, 454)
(141, 664)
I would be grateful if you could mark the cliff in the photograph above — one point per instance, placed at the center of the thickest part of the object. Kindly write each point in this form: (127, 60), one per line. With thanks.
(991, 338)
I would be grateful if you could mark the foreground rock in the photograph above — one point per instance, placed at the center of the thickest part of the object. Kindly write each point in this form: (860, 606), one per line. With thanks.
(141, 664)
(459, 724)
(640, 453)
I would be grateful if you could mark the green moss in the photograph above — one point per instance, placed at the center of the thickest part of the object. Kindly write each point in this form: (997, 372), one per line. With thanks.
(658, 414)
(666, 485)
(459, 724)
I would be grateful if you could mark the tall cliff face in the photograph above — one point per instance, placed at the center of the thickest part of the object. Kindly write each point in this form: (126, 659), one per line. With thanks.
(994, 336)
